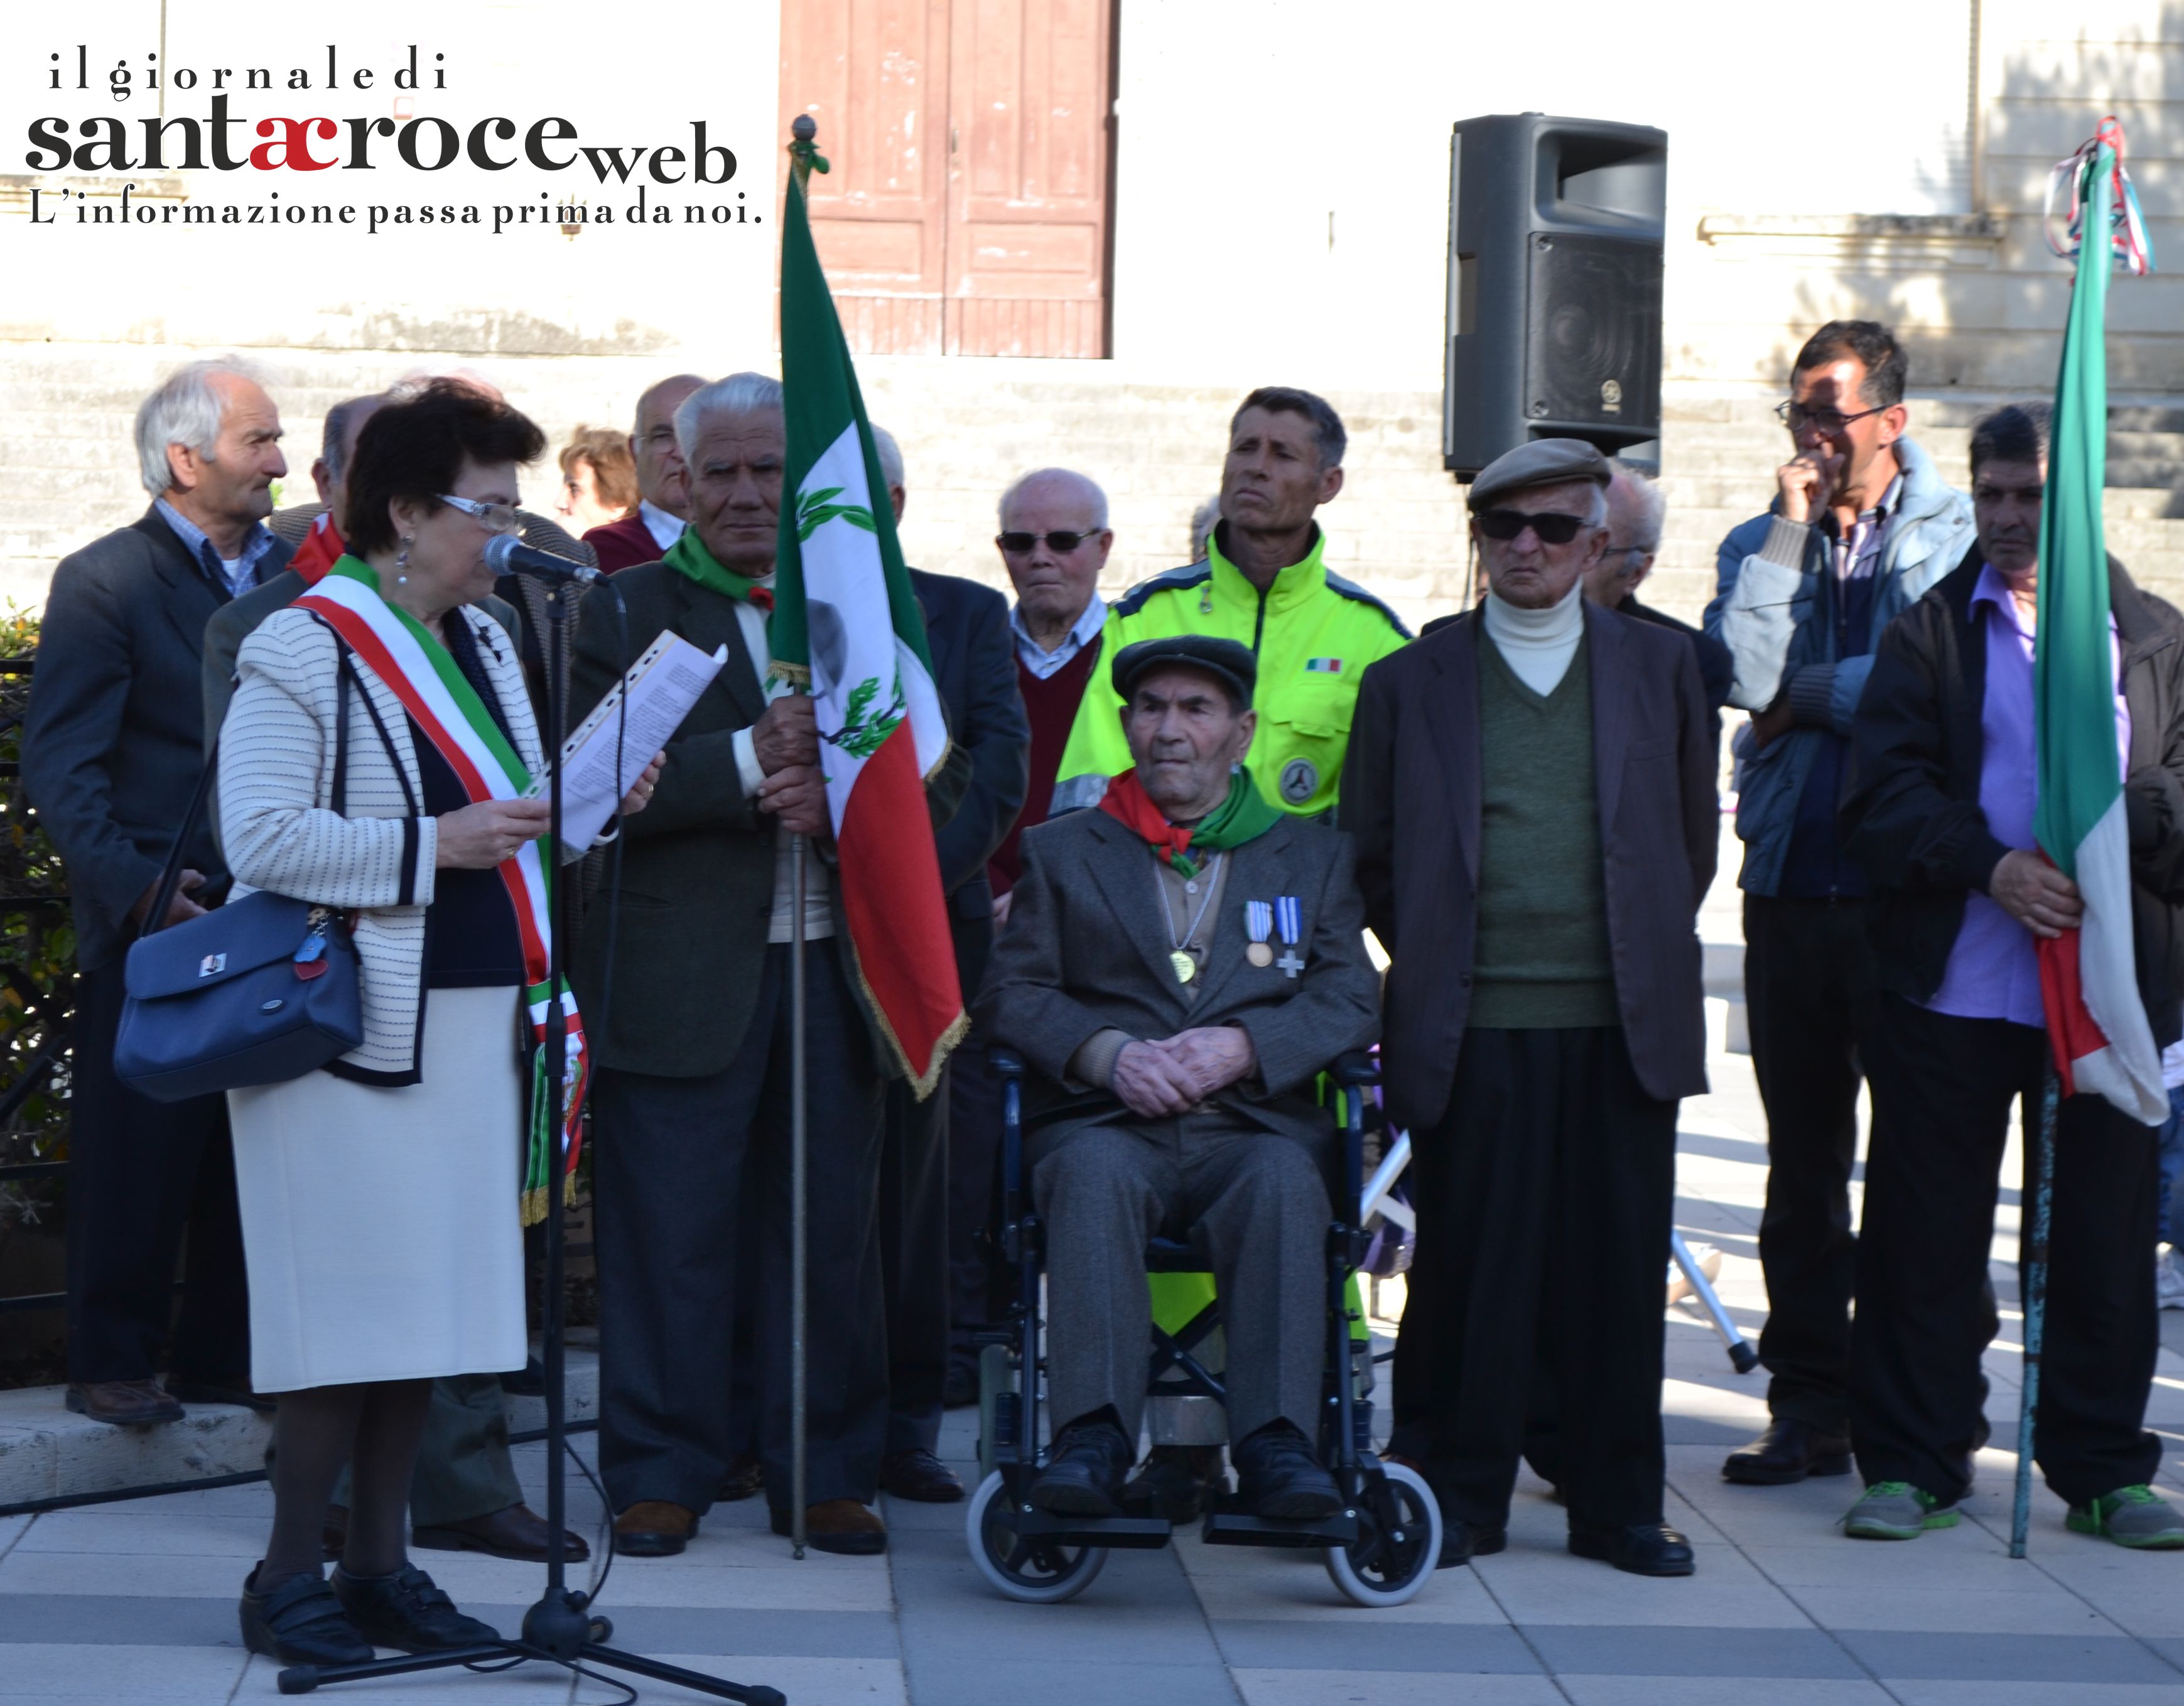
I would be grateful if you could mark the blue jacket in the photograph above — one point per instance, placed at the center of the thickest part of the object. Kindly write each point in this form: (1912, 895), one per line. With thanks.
(1779, 624)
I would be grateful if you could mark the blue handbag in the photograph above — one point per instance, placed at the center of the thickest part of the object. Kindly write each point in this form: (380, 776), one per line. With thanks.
(259, 991)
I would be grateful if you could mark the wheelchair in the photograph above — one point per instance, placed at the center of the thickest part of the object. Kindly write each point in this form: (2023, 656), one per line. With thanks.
(1380, 1548)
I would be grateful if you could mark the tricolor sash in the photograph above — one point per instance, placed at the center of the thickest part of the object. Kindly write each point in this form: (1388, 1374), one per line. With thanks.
(420, 672)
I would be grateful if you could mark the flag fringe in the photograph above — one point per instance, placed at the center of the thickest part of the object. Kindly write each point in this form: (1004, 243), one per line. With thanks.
(922, 1084)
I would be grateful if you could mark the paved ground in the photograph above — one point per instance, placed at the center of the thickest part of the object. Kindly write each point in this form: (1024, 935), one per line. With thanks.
(135, 1601)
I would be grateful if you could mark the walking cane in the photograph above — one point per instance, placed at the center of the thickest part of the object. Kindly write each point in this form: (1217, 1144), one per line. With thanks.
(2034, 1273)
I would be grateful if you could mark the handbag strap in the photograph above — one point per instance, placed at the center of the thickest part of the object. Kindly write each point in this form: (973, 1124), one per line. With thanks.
(345, 674)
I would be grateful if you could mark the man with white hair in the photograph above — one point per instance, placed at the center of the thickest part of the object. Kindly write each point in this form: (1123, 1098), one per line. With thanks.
(692, 1031)
(663, 490)
(112, 749)
(1635, 509)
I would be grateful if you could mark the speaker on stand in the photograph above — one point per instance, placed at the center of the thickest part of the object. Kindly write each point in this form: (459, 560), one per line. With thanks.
(1554, 287)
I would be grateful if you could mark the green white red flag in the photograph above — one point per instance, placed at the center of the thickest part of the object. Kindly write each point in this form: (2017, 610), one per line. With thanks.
(2096, 1022)
(846, 622)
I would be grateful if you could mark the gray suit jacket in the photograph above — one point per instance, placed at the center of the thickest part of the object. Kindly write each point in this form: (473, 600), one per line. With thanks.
(1086, 949)
(112, 745)
(696, 890)
(1411, 794)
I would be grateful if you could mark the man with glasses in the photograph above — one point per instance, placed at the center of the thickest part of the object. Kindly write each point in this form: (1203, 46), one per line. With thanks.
(1636, 507)
(663, 492)
(1861, 527)
(1310, 633)
(1532, 795)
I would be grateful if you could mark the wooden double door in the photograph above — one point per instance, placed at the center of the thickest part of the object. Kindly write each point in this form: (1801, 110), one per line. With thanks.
(970, 141)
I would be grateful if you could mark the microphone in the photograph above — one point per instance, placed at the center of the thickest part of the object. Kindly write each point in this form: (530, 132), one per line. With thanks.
(506, 555)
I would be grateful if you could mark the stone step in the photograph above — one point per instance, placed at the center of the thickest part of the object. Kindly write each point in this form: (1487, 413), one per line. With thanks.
(47, 1452)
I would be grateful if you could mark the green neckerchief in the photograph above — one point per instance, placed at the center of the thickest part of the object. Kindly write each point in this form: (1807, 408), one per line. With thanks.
(1244, 816)
(689, 555)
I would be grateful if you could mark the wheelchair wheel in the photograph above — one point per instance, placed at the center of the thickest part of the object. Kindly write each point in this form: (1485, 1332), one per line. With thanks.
(1034, 1572)
(1398, 1544)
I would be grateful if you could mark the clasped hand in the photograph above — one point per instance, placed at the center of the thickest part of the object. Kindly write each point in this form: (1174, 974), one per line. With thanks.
(2034, 893)
(1171, 1075)
(786, 742)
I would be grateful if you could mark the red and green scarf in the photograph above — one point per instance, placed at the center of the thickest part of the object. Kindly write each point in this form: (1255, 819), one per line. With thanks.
(1243, 816)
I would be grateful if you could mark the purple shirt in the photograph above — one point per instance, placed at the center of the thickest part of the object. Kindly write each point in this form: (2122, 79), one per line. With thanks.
(1994, 970)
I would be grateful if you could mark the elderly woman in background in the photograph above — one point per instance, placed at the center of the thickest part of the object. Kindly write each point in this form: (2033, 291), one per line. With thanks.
(374, 760)
(599, 480)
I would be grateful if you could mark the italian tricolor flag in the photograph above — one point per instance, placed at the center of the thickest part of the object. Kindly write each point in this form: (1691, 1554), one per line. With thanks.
(2103, 1046)
(846, 622)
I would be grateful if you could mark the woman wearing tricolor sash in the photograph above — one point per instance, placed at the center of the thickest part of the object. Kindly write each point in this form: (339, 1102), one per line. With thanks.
(376, 759)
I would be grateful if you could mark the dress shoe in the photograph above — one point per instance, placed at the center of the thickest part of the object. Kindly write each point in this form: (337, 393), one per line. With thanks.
(1174, 1482)
(920, 1476)
(126, 1403)
(1462, 1542)
(408, 1610)
(300, 1622)
(1788, 1451)
(233, 1390)
(1084, 1475)
(840, 1525)
(1279, 1478)
(518, 1532)
(654, 1528)
(1643, 1548)
(745, 1479)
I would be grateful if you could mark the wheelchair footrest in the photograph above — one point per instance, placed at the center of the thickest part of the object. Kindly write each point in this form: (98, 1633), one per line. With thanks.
(1230, 1522)
(1138, 1533)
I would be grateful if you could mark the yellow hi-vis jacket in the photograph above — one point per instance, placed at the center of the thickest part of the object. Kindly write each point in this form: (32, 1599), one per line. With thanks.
(1312, 632)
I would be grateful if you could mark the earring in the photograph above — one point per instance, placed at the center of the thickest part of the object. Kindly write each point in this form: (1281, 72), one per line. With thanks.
(402, 563)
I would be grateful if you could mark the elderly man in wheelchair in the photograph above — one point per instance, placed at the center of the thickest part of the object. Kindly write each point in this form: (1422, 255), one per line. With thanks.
(1180, 969)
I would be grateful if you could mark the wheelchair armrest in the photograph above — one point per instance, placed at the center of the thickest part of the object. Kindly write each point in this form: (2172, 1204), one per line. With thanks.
(1356, 1069)
(1004, 1062)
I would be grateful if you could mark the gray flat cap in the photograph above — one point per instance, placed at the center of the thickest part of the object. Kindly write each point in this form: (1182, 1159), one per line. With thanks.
(1543, 462)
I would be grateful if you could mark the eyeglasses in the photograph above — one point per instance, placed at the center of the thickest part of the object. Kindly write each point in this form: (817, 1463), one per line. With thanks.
(499, 518)
(1552, 528)
(1826, 421)
(1020, 544)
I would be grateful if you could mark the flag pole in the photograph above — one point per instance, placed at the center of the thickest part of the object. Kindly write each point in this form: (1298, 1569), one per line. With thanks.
(2033, 1272)
(803, 129)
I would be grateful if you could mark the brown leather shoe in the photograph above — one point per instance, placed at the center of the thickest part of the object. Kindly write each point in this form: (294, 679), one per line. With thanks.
(124, 1404)
(654, 1528)
(838, 1525)
(518, 1532)
(746, 1477)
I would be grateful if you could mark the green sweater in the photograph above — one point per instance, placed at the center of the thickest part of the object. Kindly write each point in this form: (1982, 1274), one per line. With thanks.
(1542, 960)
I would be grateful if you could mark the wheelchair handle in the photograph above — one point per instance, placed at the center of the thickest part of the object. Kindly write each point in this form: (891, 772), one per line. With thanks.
(1004, 1062)
(1356, 1069)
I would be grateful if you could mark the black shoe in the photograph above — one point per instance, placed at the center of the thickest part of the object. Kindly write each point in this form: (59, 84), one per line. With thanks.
(1462, 1542)
(1644, 1548)
(406, 1610)
(1281, 1480)
(1174, 1482)
(920, 1476)
(300, 1622)
(1084, 1477)
(1788, 1451)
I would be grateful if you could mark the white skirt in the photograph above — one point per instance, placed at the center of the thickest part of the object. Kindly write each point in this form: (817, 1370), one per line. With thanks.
(381, 1226)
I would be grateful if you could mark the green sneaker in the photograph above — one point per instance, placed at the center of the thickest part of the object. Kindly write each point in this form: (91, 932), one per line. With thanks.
(1896, 1510)
(2136, 1517)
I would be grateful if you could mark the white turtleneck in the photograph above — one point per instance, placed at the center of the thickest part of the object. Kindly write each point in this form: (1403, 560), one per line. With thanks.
(1537, 644)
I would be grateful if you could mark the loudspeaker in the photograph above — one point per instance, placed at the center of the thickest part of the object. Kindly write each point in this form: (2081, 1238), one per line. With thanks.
(1554, 286)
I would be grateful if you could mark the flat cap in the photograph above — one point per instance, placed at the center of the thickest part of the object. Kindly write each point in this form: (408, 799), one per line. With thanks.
(1543, 462)
(1225, 658)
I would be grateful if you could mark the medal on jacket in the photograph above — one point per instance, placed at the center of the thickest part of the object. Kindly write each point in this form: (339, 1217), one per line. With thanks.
(1186, 968)
(1290, 916)
(1259, 925)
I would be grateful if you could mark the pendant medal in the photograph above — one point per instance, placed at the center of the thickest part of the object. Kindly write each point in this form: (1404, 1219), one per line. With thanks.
(1258, 925)
(1186, 968)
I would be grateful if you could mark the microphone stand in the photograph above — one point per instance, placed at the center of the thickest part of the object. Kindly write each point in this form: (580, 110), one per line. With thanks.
(560, 1628)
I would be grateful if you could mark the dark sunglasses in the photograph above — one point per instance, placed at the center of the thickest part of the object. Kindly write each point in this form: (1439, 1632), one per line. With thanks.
(1552, 528)
(1061, 544)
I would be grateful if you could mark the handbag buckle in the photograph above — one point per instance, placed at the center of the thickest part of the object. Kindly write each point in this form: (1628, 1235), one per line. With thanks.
(211, 965)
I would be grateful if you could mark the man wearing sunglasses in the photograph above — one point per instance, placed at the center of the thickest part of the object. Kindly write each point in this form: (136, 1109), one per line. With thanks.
(1263, 585)
(1861, 526)
(1532, 792)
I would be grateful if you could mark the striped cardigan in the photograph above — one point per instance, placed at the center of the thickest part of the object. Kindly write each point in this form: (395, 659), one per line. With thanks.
(281, 832)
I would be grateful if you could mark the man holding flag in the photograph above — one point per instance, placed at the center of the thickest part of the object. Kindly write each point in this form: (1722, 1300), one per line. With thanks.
(2022, 826)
